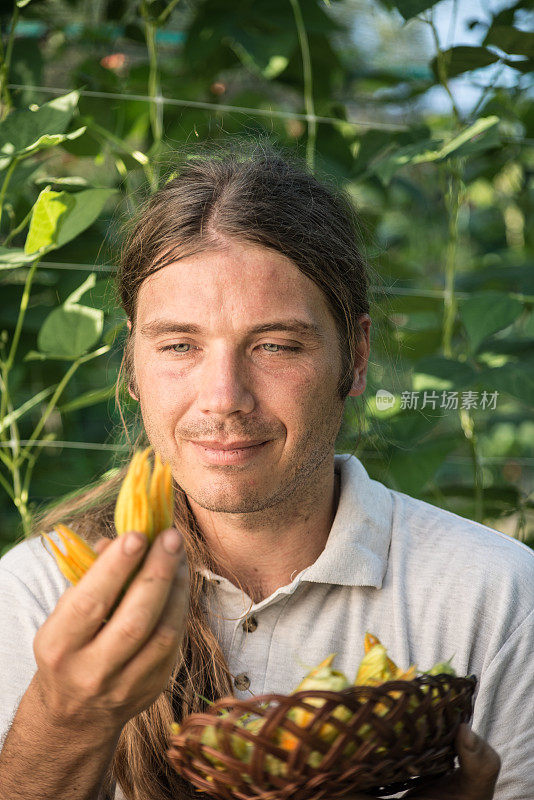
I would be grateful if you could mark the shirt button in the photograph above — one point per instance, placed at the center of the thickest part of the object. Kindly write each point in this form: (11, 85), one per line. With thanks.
(241, 682)
(250, 624)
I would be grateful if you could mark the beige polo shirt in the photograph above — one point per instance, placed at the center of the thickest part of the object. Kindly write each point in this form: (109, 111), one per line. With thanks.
(428, 583)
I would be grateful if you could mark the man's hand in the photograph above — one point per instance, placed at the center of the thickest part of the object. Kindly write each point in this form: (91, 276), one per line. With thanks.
(475, 778)
(103, 675)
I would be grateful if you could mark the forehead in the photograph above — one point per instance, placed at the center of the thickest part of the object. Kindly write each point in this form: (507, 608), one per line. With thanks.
(237, 281)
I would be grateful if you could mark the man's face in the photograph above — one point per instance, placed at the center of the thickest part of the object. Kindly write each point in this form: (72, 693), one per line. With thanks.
(222, 383)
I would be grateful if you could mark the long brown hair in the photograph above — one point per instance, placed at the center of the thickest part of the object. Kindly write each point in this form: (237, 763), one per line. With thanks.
(252, 192)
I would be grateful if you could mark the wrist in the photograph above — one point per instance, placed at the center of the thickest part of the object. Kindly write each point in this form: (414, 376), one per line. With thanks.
(58, 718)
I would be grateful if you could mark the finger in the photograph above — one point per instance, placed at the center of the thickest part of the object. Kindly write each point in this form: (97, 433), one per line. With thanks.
(140, 609)
(82, 608)
(479, 765)
(162, 649)
(101, 545)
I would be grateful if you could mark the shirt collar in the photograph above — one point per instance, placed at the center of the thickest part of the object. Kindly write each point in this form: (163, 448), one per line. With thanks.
(356, 551)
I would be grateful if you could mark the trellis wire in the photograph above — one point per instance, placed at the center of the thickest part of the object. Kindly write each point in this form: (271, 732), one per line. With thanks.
(262, 112)
(205, 106)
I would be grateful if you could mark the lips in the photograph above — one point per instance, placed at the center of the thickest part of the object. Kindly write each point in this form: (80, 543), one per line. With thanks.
(237, 445)
(221, 454)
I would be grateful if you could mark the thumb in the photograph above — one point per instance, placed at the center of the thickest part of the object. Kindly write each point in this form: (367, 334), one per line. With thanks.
(479, 765)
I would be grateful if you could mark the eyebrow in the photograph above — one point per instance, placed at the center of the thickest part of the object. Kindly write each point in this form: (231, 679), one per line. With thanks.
(160, 327)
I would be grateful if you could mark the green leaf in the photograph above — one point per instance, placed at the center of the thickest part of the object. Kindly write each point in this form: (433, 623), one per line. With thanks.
(479, 136)
(411, 470)
(275, 67)
(514, 380)
(23, 3)
(70, 332)
(440, 373)
(49, 207)
(33, 355)
(486, 313)
(58, 217)
(88, 283)
(13, 257)
(85, 209)
(482, 135)
(511, 40)
(22, 129)
(464, 59)
(51, 140)
(90, 398)
(72, 181)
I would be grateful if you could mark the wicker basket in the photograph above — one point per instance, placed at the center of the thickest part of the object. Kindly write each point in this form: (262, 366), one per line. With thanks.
(381, 740)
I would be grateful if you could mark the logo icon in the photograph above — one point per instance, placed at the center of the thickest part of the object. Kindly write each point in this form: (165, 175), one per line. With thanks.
(384, 400)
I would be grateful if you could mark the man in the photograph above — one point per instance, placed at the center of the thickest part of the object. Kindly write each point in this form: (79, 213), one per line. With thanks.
(234, 356)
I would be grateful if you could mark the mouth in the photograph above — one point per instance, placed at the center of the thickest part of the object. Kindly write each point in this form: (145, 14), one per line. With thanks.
(223, 455)
(241, 444)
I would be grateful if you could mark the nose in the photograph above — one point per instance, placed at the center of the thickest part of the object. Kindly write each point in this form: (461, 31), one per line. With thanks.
(224, 386)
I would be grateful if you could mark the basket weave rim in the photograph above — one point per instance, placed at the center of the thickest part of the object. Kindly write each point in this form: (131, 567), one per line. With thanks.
(353, 690)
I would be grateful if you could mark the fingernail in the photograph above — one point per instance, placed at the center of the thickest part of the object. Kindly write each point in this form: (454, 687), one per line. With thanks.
(470, 739)
(171, 541)
(133, 543)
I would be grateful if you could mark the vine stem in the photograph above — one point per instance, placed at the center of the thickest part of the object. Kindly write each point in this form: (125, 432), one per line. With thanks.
(5, 97)
(5, 184)
(20, 227)
(120, 144)
(165, 14)
(308, 84)
(15, 445)
(453, 199)
(156, 106)
(468, 427)
(8, 363)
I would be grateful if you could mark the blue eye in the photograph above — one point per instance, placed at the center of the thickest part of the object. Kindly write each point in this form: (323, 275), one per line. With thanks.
(281, 348)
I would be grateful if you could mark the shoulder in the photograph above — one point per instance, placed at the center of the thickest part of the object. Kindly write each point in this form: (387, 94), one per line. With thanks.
(29, 572)
(462, 555)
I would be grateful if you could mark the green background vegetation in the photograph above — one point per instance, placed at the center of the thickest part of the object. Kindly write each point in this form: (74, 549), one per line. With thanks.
(431, 137)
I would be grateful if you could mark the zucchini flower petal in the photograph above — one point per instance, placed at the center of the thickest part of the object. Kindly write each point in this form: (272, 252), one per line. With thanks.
(145, 502)
(369, 641)
(79, 557)
(373, 668)
(161, 496)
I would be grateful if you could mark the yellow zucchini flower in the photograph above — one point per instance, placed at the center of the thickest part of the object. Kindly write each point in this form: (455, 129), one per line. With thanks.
(323, 676)
(145, 503)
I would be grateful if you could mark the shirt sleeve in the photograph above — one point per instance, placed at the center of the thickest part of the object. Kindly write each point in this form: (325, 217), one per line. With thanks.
(504, 713)
(21, 615)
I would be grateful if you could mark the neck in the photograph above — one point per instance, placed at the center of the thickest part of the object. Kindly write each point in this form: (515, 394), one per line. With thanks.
(263, 550)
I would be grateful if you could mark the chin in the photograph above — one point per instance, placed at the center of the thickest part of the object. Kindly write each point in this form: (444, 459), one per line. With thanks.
(230, 502)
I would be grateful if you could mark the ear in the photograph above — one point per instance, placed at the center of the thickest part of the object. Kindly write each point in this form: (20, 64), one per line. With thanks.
(132, 386)
(362, 357)
(132, 391)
